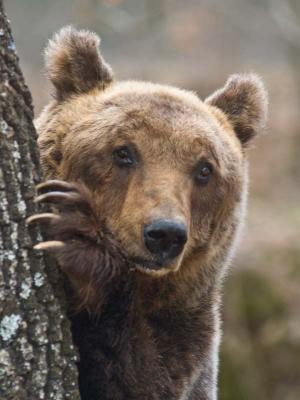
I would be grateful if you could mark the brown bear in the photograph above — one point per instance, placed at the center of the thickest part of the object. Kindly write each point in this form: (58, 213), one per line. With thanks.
(149, 186)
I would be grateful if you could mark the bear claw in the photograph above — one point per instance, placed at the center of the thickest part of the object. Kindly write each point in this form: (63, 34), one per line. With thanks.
(43, 217)
(56, 185)
(56, 197)
(49, 245)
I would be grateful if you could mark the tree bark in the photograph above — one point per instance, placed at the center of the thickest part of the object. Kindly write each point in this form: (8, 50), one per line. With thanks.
(37, 357)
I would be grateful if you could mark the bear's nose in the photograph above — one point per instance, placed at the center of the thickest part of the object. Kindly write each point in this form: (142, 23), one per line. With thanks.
(165, 238)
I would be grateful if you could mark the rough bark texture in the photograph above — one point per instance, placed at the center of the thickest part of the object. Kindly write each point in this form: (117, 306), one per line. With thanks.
(37, 358)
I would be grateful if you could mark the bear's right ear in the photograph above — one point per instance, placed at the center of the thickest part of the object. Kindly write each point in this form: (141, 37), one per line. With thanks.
(74, 63)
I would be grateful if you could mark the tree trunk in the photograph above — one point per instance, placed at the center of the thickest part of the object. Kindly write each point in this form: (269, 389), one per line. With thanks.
(37, 358)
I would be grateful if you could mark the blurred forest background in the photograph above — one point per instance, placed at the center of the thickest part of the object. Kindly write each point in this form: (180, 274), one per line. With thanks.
(196, 45)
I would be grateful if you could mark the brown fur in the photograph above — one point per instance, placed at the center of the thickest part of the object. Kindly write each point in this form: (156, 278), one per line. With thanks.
(156, 331)
(74, 63)
(244, 101)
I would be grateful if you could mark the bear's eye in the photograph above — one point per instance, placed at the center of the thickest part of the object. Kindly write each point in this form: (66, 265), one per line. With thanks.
(124, 157)
(203, 172)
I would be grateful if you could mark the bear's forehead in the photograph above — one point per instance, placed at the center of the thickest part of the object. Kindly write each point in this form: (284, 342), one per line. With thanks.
(160, 110)
(148, 99)
(155, 118)
(133, 110)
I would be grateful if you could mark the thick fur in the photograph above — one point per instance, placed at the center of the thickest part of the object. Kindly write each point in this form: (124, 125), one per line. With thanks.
(74, 63)
(244, 101)
(144, 330)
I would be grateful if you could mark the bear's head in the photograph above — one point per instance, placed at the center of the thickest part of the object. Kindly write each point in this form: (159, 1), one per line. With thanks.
(168, 171)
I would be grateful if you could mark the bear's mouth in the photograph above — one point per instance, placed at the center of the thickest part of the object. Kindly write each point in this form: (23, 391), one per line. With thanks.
(153, 265)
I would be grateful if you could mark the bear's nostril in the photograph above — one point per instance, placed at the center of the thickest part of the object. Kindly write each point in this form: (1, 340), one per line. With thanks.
(165, 238)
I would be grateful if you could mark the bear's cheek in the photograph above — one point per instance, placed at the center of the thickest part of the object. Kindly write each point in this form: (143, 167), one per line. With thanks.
(214, 218)
(208, 205)
(205, 203)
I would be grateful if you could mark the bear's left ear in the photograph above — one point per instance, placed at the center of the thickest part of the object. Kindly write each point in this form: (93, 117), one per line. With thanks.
(74, 63)
(244, 100)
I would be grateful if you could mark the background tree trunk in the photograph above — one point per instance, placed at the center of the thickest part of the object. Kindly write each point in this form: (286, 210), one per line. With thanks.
(37, 358)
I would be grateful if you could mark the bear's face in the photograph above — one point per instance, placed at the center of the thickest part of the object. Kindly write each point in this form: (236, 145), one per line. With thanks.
(167, 170)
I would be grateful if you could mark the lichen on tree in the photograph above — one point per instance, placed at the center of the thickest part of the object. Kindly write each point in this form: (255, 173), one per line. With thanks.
(37, 357)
